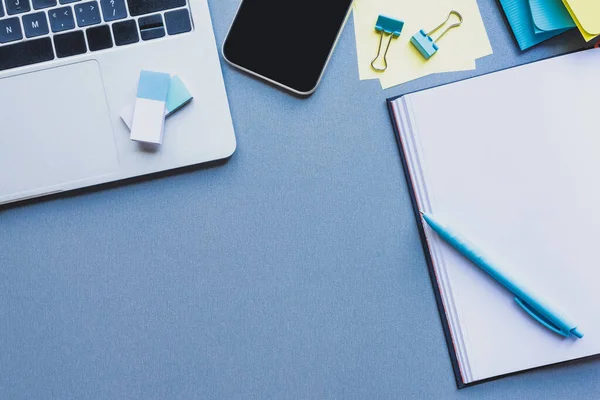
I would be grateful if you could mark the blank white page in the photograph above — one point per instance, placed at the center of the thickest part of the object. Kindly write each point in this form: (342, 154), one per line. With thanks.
(512, 161)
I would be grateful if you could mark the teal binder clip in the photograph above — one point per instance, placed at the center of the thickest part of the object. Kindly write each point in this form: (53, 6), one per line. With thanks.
(386, 27)
(423, 41)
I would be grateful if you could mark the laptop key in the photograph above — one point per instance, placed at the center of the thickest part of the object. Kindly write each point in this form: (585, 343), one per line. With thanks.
(113, 10)
(1, 10)
(70, 44)
(68, 1)
(39, 4)
(99, 38)
(141, 7)
(10, 30)
(61, 19)
(151, 27)
(125, 32)
(17, 6)
(35, 24)
(87, 14)
(26, 53)
(178, 21)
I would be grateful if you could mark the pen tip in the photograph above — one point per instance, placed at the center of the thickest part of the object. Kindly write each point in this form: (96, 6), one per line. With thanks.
(575, 332)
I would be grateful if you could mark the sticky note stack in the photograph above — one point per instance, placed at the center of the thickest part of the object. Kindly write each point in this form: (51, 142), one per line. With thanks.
(535, 21)
(586, 15)
(150, 104)
(458, 49)
(159, 96)
(177, 97)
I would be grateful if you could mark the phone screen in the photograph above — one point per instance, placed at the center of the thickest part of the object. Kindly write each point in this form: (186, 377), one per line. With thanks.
(288, 42)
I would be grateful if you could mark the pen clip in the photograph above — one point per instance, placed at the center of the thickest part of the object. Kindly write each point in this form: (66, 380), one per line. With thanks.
(540, 318)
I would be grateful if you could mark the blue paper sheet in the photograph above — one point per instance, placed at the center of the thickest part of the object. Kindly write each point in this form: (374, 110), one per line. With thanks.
(518, 13)
(550, 15)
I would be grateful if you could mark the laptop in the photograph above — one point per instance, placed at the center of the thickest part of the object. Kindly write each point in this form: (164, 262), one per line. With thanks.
(68, 68)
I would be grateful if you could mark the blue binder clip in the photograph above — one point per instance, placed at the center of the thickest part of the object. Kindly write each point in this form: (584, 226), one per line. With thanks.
(423, 41)
(386, 27)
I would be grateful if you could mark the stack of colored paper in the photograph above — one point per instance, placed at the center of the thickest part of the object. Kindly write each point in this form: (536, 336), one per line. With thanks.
(159, 96)
(458, 49)
(535, 21)
(586, 15)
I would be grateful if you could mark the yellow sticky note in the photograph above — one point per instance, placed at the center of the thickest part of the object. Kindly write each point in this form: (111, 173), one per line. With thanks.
(459, 48)
(388, 81)
(586, 14)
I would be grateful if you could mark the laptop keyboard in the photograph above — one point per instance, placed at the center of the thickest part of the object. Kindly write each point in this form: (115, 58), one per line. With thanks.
(35, 31)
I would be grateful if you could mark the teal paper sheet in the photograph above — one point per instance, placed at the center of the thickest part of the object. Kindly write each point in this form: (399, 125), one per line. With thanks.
(518, 13)
(550, 15)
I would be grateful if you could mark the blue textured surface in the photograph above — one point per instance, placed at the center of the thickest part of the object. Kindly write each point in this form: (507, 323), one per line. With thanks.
(153, 86)
(293, 271)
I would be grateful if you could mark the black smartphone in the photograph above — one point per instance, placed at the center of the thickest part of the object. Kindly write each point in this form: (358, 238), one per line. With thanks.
(287, 42)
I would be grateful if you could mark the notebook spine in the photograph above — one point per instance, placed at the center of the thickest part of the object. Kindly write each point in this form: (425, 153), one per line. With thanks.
(450, 340)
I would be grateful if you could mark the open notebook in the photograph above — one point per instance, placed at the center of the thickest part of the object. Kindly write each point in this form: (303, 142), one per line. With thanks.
(511, 160)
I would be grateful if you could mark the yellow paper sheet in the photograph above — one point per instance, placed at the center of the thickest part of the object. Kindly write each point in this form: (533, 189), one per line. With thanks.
(586, 14)
(388, 81)
(459, 48)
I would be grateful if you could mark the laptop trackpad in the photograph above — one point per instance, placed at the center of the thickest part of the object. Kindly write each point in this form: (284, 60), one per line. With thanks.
(54, 129)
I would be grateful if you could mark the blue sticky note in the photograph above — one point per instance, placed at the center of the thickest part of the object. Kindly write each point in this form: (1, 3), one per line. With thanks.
(178, 95)
(153, 86)
(520, 19)
(550, 15)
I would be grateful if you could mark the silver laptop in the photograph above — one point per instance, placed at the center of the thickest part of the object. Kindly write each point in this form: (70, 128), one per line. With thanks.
(68, 68)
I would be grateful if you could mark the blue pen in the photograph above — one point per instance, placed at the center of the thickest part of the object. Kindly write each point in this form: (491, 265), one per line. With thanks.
(533, 306)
